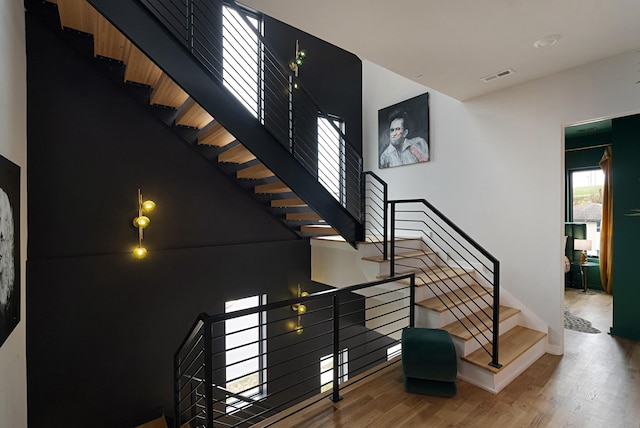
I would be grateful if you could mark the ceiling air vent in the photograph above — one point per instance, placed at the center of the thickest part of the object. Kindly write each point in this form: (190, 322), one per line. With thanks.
(494, 76)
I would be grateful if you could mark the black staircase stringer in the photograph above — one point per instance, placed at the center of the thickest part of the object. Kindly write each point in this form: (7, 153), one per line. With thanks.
(142, 28)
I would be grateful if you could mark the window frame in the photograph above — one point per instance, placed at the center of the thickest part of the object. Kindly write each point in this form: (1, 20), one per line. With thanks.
(233, 404)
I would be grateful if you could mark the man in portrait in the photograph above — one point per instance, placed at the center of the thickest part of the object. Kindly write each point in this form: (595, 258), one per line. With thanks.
(402, 150)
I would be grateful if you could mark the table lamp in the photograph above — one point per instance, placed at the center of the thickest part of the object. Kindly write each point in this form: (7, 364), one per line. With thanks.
(583, 245)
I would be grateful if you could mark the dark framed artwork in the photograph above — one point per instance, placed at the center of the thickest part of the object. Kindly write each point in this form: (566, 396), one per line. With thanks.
(403, 132)
(9, 247)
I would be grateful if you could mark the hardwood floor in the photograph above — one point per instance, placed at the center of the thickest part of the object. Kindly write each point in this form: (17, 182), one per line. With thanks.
(595, 384)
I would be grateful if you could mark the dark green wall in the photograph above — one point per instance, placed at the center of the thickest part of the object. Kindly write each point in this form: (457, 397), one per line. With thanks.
(583, 158)
(626, 226)
(625, 142)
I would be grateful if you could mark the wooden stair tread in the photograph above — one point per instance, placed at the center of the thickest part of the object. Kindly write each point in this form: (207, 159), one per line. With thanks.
(255, 172)
(161, 422)
(478, 322)
(318, 229)
(108, 42)
(289, 202)
(399, 256)
(168, 93)
(275, 187)
(453, 298)
(216, 135)
(303, 216)
(77, 15)
(237, 154)
(513, 343)
(193, 115)
(140, 69)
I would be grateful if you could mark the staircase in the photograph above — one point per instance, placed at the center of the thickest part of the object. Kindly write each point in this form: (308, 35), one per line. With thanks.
(195, 125)
(522, 340)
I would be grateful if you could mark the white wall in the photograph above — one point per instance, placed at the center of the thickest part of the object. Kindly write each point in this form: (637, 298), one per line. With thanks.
(13, 146)
(497, 165)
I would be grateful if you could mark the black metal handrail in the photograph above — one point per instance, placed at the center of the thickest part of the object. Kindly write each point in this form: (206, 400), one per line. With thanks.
(225, 40)
(362, 320)
(446, 266)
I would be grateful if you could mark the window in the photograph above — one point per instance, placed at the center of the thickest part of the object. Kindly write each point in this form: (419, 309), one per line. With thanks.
(242, 56)
(245, 351)
(331, 156)
(587, 187)
(394, 351)
(326, 370)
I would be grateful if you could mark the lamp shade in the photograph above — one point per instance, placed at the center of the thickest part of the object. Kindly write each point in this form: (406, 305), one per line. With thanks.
(582, 244)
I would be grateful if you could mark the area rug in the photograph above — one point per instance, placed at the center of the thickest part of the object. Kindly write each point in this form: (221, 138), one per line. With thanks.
(572, 322)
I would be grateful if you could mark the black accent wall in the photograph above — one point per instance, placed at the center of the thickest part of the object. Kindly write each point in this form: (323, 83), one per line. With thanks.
(102, 326)
(331, 75)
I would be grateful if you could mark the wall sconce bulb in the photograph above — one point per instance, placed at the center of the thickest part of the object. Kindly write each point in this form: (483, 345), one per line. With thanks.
(141, 222)
(140, 252)
(148, 206)
(298, 329)
(301, 309)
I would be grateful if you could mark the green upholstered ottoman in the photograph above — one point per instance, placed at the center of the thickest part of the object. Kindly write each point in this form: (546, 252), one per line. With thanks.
(429, 363)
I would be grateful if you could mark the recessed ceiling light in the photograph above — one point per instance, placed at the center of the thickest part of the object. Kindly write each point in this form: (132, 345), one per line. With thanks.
(549, 40)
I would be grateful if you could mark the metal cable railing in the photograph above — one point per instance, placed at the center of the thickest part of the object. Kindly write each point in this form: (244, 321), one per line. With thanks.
(227, 40)
(461, 274)
(299, 357)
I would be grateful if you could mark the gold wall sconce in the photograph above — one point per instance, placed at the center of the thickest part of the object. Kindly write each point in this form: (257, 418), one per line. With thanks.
(300, 309)
(296, 63)
(141, 222)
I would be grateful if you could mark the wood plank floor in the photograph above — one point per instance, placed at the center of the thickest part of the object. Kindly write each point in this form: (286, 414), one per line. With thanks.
(595, 384)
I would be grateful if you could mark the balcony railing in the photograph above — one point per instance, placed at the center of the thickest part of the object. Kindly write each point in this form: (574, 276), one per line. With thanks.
(354, 329)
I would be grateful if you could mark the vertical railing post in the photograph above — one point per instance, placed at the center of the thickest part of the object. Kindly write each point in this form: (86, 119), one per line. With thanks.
(496, 315)
(363, 204)
(412, 300)
(335, 396)
(190, 29)
(385, 226)
(208, 373)
(176, 390)
(392, 239)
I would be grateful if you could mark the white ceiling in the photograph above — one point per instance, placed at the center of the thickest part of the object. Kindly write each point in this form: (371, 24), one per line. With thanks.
(449, 45)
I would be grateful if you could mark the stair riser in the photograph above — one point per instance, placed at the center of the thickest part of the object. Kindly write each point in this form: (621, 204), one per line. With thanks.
(433, 319)
(466, 347)
(369, 249)
(427, 291)
(496, 382)
(418, 262)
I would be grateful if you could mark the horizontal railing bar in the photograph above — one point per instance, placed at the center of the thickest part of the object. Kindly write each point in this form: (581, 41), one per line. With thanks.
(451, 225)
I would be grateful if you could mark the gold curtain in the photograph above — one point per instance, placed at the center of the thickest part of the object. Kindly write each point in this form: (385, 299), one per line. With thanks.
(606, 225)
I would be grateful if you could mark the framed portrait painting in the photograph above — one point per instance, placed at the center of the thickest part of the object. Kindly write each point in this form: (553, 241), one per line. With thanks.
(9, 247)
(403, 133)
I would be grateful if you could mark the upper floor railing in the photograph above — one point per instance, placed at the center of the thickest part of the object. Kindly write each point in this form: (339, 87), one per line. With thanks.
(228, 41)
